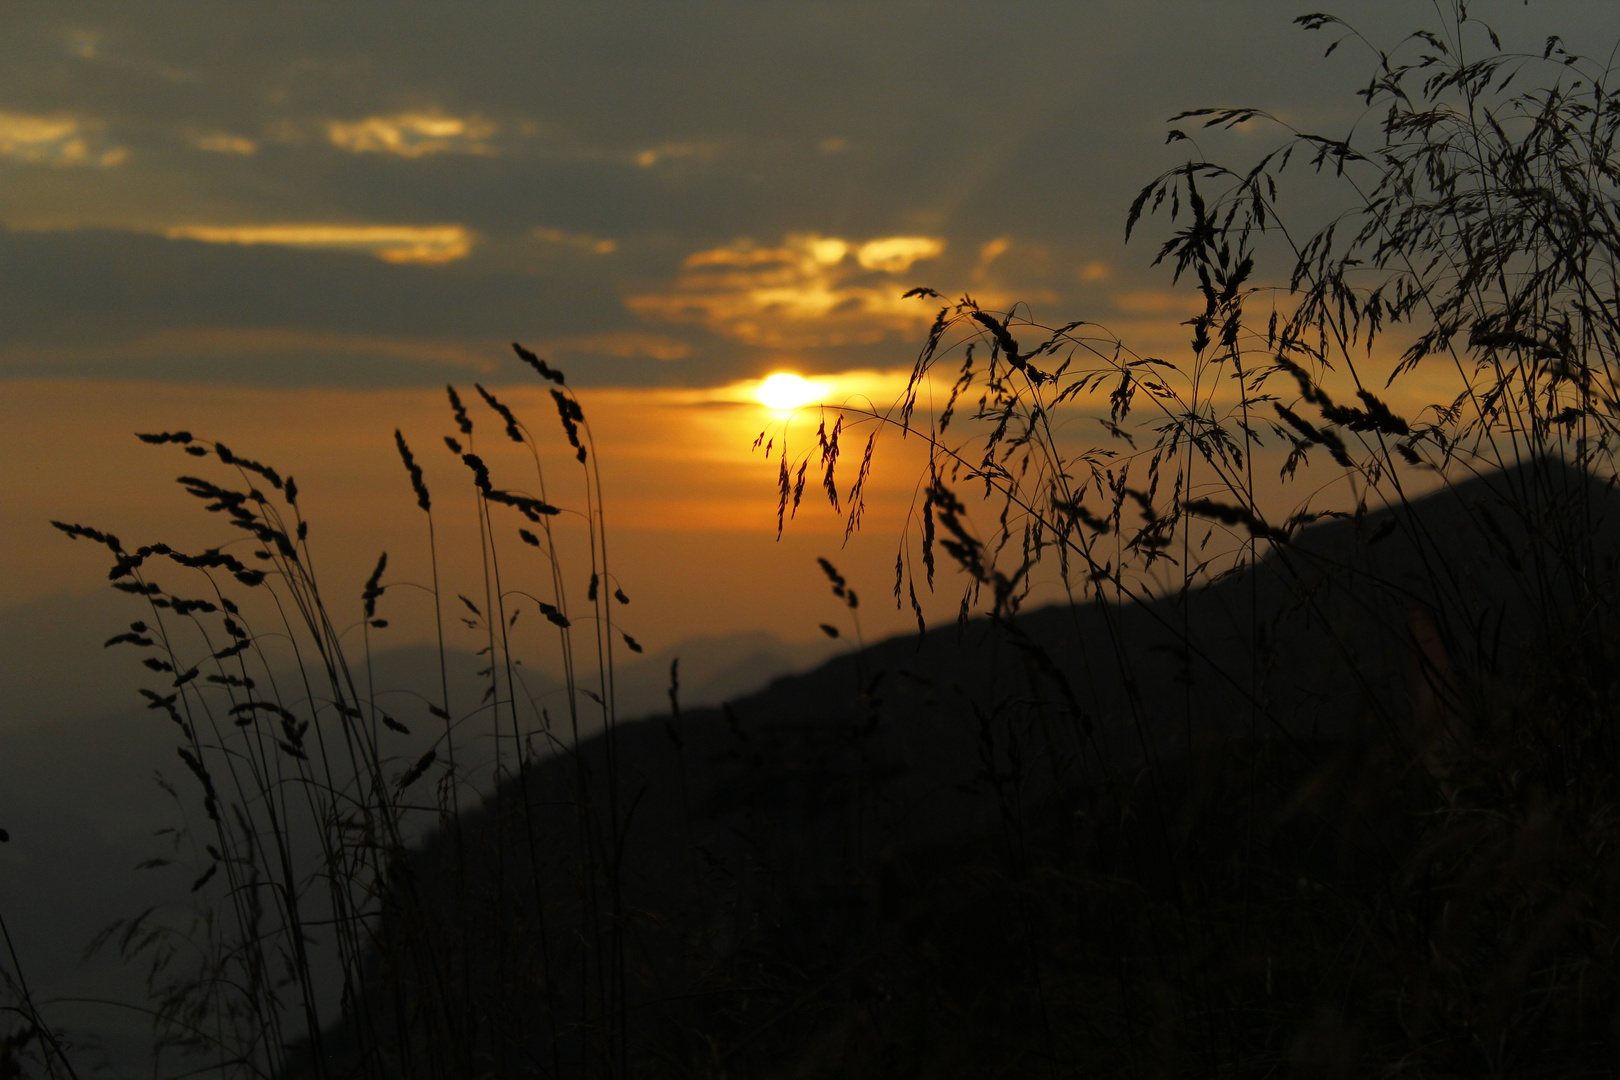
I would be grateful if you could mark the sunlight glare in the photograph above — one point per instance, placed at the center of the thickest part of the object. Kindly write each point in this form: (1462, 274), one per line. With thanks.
(788, 391)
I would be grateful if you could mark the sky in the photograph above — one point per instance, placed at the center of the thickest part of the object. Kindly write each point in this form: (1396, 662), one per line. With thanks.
(288, 226)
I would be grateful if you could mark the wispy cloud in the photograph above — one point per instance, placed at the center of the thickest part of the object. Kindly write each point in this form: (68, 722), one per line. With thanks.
(596, 245)
(413, 135)
(1095, 271)
(702, 152)
(1156, 302)
(57, 140)
(625, 344)
(234, 343)
(895, 254)
(426, 244)
(223, 142)
(809, 291)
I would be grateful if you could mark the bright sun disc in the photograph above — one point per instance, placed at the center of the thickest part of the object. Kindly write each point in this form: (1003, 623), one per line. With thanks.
(786, 391)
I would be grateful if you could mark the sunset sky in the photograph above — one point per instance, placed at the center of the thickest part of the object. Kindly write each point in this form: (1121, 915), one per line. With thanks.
(288, 226)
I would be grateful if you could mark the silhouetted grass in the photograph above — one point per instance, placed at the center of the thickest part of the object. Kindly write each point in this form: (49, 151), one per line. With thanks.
(308, 904)
(1477, 226)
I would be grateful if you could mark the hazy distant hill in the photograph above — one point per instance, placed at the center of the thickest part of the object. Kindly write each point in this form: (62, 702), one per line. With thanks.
(80, 760)
(712, 670)
(52, 665)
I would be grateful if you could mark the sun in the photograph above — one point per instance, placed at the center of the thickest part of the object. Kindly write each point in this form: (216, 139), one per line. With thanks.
(785, 391)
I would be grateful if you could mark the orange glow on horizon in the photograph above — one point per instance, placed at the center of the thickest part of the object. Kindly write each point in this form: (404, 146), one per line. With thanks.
(693, 504)
(690, 505)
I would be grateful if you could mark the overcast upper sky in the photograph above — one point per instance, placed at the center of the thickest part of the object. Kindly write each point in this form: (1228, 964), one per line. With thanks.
(232, 217)
(656, 193)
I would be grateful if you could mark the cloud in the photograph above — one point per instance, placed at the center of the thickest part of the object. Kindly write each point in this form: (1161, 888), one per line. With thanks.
(1157, 302)
(989, 252)
(253, 342)
(864, 136)
(223, 142)
(596, 245)
(56, 140)
(626, 345)
(703, 152)
(84, 44)
(424, 244)
(90, 301)
(804, 293)
(413, 135)
(895, 254)
(1095, 271)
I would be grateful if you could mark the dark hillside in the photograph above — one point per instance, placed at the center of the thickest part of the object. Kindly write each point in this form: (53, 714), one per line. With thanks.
(1087, 836)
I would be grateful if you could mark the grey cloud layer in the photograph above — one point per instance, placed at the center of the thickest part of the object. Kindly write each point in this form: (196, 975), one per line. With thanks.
(586, 151)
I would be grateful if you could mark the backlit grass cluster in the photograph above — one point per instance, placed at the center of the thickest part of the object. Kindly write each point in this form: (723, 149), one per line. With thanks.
(307, 904)
(1468, 924)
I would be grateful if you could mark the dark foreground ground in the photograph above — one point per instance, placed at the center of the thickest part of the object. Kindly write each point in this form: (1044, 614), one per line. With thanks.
(1344, 813)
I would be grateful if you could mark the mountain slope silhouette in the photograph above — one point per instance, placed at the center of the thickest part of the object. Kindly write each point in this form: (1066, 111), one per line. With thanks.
(689, 883)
